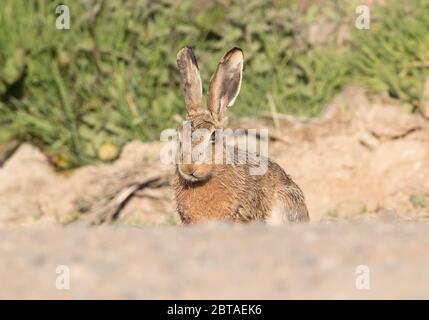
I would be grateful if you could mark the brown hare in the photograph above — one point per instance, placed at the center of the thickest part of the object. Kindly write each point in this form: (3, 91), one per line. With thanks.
(207, 190)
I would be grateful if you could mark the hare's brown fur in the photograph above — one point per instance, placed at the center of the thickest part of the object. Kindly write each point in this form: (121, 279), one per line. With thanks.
(235, 195)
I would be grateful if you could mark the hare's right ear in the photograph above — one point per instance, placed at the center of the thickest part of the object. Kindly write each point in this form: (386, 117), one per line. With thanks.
(191, 79)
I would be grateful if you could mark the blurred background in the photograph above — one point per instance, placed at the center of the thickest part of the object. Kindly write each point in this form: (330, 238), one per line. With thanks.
(81, 94)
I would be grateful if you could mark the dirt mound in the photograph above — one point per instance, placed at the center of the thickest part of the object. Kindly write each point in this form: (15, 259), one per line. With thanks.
(31, 191)
(360, 159)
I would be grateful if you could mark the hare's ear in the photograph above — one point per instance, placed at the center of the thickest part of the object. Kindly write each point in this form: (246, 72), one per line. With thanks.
(191, 79)
(225, 83)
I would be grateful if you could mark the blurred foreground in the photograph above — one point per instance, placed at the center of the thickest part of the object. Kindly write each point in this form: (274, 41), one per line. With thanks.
(218, 261)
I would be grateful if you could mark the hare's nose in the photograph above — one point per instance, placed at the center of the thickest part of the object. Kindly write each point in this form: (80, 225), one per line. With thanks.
(188, 168)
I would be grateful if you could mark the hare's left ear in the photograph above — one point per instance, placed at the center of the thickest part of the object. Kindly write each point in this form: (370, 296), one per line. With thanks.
(225, 83)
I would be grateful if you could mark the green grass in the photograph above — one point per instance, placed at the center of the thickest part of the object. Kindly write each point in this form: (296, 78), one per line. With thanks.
(419, 201)
(393, 56)
(114, 78)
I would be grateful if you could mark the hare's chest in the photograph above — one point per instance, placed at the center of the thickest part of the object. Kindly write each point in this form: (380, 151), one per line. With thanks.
(208, 201)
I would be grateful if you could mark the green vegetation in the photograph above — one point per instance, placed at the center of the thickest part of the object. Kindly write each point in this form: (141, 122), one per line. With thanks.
(393, 56)
(112, 77)
(419, 201)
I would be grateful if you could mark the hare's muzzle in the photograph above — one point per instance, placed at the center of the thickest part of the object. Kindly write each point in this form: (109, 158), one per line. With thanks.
(194, 172)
